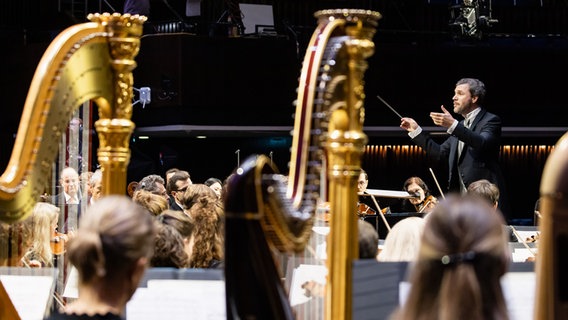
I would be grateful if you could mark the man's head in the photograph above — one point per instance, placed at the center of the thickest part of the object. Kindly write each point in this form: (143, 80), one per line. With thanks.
(363, 181)
(153, 183)
(96, 185)
(468, 95)
(69, 180)
(485, 190)
(178, 184)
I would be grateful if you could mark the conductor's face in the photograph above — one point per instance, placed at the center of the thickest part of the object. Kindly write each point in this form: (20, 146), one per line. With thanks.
(463, 101)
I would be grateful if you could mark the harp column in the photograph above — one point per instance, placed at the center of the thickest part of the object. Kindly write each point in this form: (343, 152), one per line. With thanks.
(114, 127)
(345, 146)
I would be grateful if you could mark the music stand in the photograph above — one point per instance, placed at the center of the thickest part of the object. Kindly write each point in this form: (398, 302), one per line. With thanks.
(385, 194)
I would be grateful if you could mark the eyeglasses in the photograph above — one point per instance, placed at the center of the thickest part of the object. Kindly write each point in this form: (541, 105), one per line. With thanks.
(182, 189)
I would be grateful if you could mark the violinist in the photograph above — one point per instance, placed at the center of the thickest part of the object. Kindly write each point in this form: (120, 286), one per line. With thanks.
(425, 202)
(365, 206)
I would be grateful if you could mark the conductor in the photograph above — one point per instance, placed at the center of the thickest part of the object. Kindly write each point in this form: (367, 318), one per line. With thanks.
(472, 148)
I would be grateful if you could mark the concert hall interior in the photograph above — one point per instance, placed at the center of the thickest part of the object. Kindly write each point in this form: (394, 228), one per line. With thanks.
(239, 91)
(208, 93)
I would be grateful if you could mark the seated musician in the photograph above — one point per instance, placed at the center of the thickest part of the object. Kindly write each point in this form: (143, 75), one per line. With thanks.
(424, 203)
(366, 206)
(490, 192)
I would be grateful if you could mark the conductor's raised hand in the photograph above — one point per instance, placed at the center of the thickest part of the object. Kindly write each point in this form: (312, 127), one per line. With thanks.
(408, 124)
(442, 119)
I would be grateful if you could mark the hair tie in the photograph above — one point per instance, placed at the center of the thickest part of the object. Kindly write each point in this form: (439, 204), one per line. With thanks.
(456, 258)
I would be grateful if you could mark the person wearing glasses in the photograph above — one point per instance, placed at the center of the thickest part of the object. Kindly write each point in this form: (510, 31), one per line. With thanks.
(177, 184)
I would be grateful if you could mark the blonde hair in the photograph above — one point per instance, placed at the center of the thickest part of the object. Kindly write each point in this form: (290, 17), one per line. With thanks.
(113, 235)
(44, 215)
(403, 240)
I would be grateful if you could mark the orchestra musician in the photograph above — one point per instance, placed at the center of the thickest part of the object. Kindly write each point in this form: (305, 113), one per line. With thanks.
(366, 205)
(425, 202)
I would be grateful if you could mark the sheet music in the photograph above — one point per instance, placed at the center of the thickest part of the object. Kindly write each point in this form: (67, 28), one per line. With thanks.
(30, 295)
(178, 299)
(302, 274)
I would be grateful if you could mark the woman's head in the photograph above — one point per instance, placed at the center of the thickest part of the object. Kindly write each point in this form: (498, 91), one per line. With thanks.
(44, 219)
(462, 257)
(207, 214)
(115, 236)
(216, 185)
(183, 224)
(417, 186)
(402, 243)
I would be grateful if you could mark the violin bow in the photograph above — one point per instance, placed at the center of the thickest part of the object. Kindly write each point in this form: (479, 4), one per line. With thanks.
(437, 184)
(523, 241)
(380, 213)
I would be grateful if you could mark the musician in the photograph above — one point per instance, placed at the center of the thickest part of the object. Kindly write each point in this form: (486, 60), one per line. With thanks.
(366, 206)
(472, 148)
(490, 192)
(111, 253)
(424, 203)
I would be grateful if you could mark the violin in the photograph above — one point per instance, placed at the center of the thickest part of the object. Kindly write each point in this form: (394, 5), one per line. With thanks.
(58, 242)
(365, 210)
(427, 205)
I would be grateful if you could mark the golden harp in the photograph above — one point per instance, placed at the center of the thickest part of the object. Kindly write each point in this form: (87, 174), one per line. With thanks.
(89, 61)
(264, 213)
(551, 263)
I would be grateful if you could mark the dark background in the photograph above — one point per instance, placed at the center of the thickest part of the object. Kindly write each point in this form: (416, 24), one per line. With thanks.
(203, 82)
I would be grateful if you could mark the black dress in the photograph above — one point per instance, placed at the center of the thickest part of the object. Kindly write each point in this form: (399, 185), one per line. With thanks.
(62, 316)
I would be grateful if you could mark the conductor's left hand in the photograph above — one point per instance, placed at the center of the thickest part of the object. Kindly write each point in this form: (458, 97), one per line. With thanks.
(442, 119)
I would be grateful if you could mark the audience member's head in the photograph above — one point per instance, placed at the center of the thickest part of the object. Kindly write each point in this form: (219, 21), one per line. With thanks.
(153, 183)
(169, 248)
(177, 184)
(69, 180)
(462, 257)
(169, 173)
(216, 185)
(368, 240)
(183, 224)
(153, 202)
(111, 250)
(96, 185)
(403, 240)
(207, 213)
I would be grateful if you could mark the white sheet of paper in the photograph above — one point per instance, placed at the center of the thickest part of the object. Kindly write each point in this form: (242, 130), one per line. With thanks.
(519, 291)
(521, 254)
(178, 299)
(303, 273)
(72, 285)
(29, 294)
